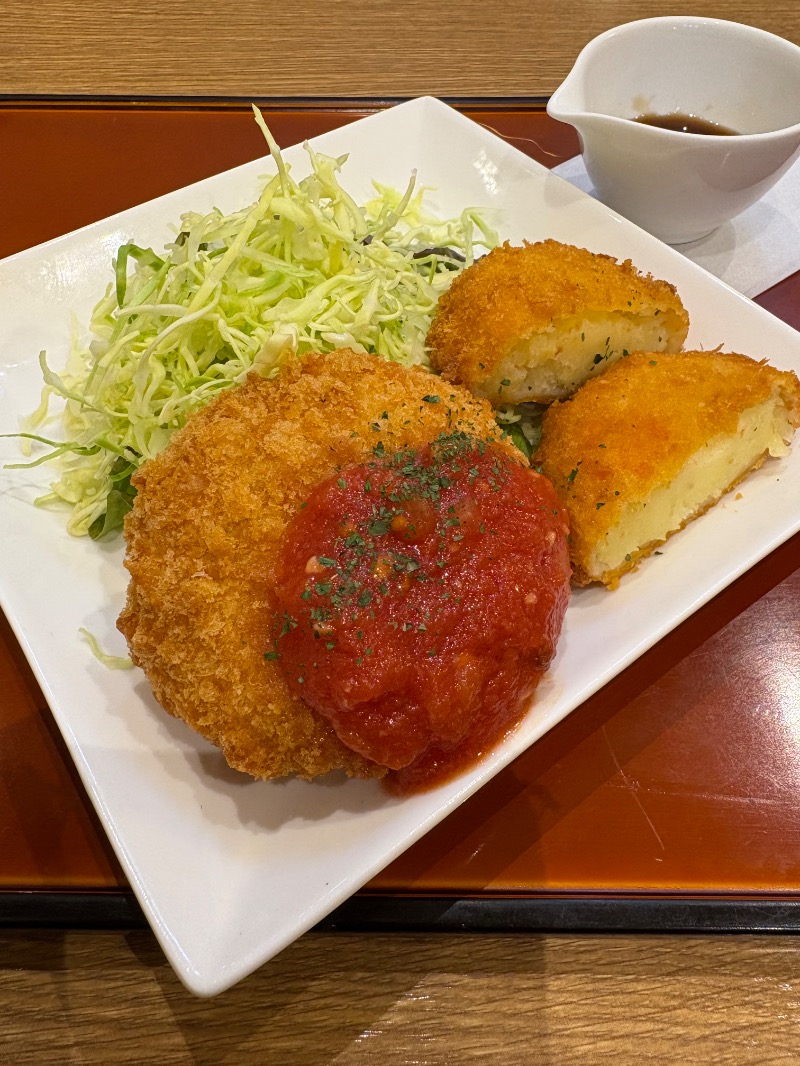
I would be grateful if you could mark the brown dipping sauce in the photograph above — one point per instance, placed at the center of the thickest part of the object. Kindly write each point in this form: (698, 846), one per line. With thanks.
(685, 124)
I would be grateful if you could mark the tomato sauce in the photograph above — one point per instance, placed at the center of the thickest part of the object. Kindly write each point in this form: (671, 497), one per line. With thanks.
(421, 597)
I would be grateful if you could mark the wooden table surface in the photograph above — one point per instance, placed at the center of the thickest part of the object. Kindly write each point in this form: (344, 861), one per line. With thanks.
(78, 996)
(344, 48)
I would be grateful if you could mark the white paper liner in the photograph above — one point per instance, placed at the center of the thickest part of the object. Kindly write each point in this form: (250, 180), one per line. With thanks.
(752, 252)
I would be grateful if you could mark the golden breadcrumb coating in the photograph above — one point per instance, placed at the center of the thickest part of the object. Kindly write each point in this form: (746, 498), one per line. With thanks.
(532, 323)
(203, 535)
(654, 443)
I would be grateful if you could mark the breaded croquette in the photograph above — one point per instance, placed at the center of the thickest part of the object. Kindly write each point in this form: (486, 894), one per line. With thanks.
(532, 323)
(203, 536)
(655, 442)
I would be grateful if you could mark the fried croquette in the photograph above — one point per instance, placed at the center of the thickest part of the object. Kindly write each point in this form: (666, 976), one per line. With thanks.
(532, 323)
(655, 442)
(203, 536)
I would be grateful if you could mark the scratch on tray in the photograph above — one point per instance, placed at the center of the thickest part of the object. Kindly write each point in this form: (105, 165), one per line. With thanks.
(526, 140)
(633, 788)
(724, 797)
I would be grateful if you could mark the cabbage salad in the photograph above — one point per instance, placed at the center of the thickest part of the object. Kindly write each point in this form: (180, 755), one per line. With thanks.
(303, 268)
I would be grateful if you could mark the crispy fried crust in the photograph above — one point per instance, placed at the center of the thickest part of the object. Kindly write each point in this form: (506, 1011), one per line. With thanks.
(203, 535)
(514, 293)
(630, 433)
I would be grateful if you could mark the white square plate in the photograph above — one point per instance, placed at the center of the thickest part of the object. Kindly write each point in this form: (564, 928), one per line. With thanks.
(230, 870)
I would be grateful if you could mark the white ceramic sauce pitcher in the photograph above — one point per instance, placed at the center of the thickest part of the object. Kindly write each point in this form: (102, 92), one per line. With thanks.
(681, 186)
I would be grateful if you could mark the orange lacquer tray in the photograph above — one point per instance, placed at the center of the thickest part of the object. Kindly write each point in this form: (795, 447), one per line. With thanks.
(670, 800)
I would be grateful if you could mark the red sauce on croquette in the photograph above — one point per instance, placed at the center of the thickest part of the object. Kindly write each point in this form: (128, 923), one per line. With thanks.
(421, 595)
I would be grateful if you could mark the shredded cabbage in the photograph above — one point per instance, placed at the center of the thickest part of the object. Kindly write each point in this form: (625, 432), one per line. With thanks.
(304, 267)
(522, 422)
(112, 662)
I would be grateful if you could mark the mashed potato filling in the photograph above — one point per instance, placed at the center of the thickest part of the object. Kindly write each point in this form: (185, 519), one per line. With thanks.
(640, 451)
(715, 468)
(551, 364)
(531, 323)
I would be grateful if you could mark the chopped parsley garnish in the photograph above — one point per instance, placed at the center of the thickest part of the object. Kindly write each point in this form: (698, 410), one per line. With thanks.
(375, 556)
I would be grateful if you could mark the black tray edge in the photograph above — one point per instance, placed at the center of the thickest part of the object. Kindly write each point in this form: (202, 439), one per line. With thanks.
(300, 103)
(446, 914)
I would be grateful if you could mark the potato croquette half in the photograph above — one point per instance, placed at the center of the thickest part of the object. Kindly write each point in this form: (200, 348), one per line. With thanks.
(532, 323)
(655, 442)
(204, 533)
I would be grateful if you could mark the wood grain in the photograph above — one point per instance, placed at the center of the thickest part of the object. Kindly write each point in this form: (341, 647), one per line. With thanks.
(109, 998)
(363, 48)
